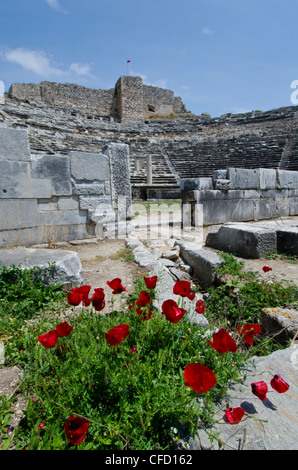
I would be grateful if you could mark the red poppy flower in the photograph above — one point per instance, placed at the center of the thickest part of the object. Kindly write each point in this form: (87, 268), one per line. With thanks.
(74, 298)
(117, 334)
(259, 389)
(279, 384)
(200, 306)
(144, 313)
(182, 288)
(83, 290)
(49, 340)
(150, 282)
(133, 349)
(41, 425)
(64, 329)
(116, 285)
(76, 429)
(234, 415)
(266, 269)
(86, 301)
(171, 311)
(98, 299)
(248, 331)
(144, 299)
(222, 342)
(199, 377)
(78, 294)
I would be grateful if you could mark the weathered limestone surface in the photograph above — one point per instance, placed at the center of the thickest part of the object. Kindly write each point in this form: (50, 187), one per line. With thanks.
(280, 322)
(203, 262)
(46, 198)
(239, 194)
(279, 409)
(247, 240)
(56, 265)
(255, 240)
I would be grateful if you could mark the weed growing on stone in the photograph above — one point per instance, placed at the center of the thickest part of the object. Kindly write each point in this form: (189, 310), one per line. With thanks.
(241, 299)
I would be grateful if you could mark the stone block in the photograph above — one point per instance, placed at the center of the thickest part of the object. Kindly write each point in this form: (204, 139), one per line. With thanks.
(88, 189)
(245, 240)
(191, 184)
(282, 206)
(223, 184)
(287, 240)
(267, 178)
(217, 195)
(19, 213)
(67, 203)
(264, 209)
(16, 182)
(218, 212)
(17, 237)
(14, 145)
(293, 210)
(48, 204)
(71, 217)
(273, 422)
(190, 196)
(280, 323)
(219, 174)
(242, 178)
(57, 169)
(89, 166)
(56, 265)
(120, 178)
(203, 262)
(287, 179)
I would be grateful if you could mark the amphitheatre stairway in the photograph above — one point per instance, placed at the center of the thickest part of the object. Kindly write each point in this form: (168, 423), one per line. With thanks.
(184, 146)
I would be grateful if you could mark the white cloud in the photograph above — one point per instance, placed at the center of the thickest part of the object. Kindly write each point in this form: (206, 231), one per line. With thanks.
(81, 69)
(207, 31)
(55, 5)
(34, 61)
(41, 64)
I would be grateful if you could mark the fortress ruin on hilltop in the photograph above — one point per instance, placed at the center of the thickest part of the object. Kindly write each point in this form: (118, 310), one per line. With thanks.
(72, 159)
(129, 101)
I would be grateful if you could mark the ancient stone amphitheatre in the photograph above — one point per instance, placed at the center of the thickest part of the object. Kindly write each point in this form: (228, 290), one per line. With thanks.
(86, 174)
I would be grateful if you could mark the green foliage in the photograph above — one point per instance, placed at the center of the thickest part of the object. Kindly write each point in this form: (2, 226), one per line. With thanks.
(132, 394)
(241, 299)
(23, 294)
(229, 264)
(131, 399)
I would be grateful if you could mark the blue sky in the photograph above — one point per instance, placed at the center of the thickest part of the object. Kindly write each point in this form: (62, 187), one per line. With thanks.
(219, 56)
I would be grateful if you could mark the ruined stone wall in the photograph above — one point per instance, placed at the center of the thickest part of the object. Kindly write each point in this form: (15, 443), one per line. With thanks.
(129, 92)
(130, 100)
(161, 101)
(48, 198)
(67, 95)
(239, 194)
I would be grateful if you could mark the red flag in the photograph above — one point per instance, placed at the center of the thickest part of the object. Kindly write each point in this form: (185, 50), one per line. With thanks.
(128, 61)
